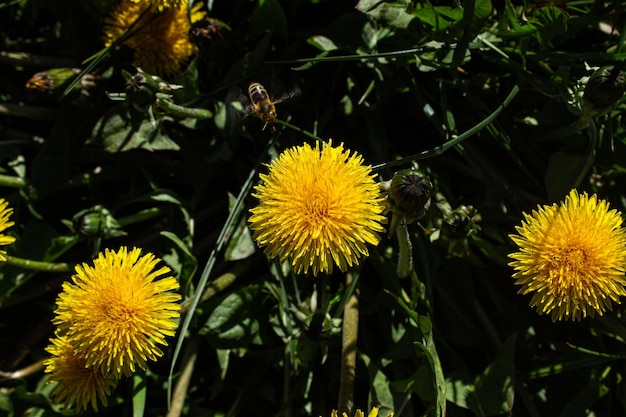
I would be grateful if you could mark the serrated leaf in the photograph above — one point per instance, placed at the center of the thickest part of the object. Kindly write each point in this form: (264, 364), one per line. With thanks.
(393, 13)
(116, 132)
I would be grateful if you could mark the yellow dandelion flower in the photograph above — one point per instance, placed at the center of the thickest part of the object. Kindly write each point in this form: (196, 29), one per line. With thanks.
(116, 312)
(317, 206)
(572, 257)
(160, 41)
(359, 413)
(76, 383)
(159, 5)
(5, 212)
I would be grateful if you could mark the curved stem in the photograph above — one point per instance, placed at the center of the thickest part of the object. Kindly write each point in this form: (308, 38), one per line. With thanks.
(31, 369)
(299, 130)
(181, 111)
(184, 379)
(38, 265)
(11, 181)
(452, 143)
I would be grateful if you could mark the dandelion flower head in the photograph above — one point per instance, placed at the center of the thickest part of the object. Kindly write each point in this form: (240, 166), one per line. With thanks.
(317, 206)
(359, 413)
(5, 212)
(159, 5)
(76, 383)
(117, 311)
(572, 257)
(160, 41)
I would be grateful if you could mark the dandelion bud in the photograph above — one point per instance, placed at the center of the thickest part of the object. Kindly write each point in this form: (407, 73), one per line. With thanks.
(461, 223)
(96, 222)
(47, 82)
(141, 90)
(409, 194)
(605, 87)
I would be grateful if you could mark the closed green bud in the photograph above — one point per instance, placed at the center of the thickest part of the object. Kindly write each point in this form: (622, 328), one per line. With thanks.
(605, 88)
(409, 194)
(96, 222)
(408, 197)
(461, 223)
(141, 90)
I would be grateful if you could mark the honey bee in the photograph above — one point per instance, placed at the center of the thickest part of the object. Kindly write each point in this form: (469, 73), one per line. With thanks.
(260, 103)
(262, 106)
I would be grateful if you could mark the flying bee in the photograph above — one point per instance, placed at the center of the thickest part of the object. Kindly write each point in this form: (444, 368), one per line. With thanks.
(262, 106)
(260, 103)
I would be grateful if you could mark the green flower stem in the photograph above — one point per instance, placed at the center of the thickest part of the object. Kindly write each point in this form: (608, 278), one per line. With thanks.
(38, 265)
(25, 59)
(350, 332)
(184, 378)
(299, 130)
(30, 112)
(12, 182)
(182, 111)
(31, 369)
(405, 251)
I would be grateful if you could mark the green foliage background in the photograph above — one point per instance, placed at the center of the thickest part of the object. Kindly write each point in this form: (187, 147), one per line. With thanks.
(389, 79)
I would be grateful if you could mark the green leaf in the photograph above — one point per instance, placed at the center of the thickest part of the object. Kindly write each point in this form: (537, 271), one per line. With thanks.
(233, 323)
(393, 13)
(437, 380)
(439, 18)
(492, 393)
(185, 263)
(268, 17)
(322, 43)
(240, 245)
(565, 171)
(116, 132)
(551, 22)
(380, 387)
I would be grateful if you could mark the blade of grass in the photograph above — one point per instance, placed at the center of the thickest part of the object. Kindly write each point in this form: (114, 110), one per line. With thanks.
(436, 151)
(222, 239)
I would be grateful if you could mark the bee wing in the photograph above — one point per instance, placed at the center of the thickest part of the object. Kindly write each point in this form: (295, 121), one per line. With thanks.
(238, 106)
(291, 93)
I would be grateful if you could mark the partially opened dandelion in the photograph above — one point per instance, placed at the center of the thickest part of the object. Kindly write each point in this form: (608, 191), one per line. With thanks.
(5, 212)
(75, 382)
(318, 207)
(572, 257)
(117, 312)
(359, 413)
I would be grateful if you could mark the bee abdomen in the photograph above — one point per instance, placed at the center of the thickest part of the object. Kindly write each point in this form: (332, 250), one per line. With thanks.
(257, 93)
